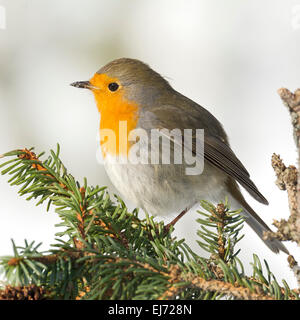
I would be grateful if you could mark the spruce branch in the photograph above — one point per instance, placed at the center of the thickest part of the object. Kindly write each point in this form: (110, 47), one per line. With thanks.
(110, 253)
(219, 230)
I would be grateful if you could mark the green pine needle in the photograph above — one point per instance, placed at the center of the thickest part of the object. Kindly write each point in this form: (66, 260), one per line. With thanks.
(104, 251)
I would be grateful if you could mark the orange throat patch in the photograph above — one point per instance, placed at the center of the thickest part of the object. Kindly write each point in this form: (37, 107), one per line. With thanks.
(118, 116)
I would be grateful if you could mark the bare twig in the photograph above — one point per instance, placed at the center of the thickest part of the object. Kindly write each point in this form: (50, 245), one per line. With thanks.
(295, 268)
(292, 101)
(288, 178)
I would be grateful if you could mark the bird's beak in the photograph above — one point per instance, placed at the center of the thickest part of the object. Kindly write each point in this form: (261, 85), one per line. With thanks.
(82, 84)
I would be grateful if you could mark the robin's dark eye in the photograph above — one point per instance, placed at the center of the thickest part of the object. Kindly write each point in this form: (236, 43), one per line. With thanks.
(113, 86)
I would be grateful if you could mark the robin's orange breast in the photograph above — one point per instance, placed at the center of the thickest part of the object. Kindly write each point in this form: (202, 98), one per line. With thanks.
(118, 116)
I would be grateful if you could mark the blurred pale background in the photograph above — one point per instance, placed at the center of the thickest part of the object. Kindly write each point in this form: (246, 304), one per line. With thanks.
(229, 56)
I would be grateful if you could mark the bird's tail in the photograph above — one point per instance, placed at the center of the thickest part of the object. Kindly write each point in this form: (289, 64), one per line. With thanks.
(253, 220)
(259, 226)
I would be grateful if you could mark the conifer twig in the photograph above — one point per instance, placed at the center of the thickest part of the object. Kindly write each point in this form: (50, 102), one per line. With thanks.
(111, 254)
(220, 286)
(30, 292)
(238, 292)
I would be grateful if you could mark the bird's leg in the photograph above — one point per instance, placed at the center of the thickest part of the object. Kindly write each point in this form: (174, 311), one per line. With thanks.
(172, 223)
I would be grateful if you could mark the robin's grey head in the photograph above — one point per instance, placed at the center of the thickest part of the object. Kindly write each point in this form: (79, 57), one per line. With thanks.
(132, 71)
(135, 79)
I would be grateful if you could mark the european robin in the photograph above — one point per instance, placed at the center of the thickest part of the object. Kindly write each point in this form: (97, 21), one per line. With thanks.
(129, 91)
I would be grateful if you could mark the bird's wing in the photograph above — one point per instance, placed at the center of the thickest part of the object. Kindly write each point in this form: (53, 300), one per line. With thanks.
(216, 152)
(220, 155)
